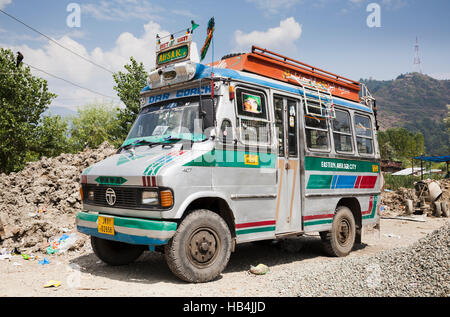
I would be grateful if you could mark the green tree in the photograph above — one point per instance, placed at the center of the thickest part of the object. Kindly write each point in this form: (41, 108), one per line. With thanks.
(23, 98)
(128, 86)
(52, 137)
(95, 124)
(399, 144)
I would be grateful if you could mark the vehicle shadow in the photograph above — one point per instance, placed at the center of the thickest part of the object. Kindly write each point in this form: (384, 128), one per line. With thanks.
(151, 267)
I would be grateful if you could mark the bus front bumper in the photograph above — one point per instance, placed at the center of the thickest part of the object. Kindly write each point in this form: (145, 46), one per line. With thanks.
(127, 230)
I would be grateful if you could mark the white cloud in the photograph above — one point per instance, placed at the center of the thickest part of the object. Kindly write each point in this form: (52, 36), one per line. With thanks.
(57, 61)
(4, 3)
(441, 76)
(283, 36)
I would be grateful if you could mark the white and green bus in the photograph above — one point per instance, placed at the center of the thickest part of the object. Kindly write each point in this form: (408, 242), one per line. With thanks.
(219, 157)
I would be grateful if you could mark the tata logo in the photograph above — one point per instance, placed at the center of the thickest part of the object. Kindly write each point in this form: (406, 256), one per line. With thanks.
(110, 196)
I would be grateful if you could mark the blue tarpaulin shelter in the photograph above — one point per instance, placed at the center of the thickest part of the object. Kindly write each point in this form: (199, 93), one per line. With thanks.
(430, 159)
(438, 159)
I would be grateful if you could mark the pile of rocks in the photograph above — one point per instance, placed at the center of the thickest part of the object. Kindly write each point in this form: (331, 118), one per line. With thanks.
(41, 201)
(422, 269)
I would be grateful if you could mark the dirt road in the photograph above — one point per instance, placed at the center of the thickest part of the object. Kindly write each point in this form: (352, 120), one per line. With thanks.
(82, 274)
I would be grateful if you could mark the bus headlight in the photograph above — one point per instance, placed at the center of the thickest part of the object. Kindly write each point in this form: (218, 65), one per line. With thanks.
(150, 198)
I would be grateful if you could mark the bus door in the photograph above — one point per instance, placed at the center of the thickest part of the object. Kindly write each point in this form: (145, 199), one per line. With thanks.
(288, 211)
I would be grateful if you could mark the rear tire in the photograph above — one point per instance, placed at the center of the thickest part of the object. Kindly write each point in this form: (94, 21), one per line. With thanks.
(201, 247)
(115, 253)
(341, 239)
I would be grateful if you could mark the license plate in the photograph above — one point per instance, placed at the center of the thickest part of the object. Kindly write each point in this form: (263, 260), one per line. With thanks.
(105, 225)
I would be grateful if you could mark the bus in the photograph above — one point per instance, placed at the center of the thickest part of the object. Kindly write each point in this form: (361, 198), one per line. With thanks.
(254, 147)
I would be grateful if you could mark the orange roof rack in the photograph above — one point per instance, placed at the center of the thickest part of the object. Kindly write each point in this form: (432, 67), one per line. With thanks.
(273, 65)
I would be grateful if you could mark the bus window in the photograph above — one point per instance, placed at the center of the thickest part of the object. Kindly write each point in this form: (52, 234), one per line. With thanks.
(292, 128)
(279, 123)
(364, 137)
(253, 121)
(316, 129)
(342, 133)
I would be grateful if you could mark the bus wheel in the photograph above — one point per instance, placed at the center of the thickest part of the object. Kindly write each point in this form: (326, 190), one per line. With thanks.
(341, 239)
(115, 253)
(201, 247)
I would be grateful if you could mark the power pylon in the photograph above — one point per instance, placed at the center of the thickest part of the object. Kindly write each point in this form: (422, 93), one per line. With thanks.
(417, 60)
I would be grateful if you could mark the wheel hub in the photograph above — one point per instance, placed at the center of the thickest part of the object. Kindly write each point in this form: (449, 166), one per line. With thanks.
(343, 232)
(203, 246)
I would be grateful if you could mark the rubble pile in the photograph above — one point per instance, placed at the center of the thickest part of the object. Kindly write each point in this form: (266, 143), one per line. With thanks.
(394, 202)
(41, 201)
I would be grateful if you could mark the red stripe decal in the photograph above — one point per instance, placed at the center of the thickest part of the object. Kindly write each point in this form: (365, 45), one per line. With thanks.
(370, 207)
(368, 182)
(255, 224)
(306, 218)
(143, 181)
(153, 181)
(83, 179)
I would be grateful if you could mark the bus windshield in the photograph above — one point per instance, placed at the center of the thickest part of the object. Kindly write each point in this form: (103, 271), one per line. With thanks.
(174, 119)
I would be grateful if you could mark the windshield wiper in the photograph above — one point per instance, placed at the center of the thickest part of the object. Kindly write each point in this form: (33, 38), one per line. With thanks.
(137, 143)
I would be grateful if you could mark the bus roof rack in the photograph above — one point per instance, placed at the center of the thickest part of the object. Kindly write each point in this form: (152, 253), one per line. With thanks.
(276, 66)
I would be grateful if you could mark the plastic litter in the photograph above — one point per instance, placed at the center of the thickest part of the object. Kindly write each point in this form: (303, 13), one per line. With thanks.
(44, 261)
(5, 255)
(52, 283)
(260, 269)
(62, 244)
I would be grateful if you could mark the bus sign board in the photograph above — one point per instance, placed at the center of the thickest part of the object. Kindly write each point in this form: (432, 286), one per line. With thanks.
(174, 50)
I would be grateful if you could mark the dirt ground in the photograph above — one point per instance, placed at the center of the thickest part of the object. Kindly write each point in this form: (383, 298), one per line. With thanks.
(83, 274)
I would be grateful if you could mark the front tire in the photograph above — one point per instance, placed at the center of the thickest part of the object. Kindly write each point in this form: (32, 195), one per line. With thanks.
(115, 253)
(340, 240)
(201, 247)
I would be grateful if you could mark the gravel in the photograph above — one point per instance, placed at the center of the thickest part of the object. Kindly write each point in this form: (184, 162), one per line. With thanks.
(421, 270)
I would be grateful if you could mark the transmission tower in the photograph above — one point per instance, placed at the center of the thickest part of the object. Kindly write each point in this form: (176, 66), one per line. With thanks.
(417, 56)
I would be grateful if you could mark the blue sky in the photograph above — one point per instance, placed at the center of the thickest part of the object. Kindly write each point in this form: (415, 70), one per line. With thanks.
(330, 34)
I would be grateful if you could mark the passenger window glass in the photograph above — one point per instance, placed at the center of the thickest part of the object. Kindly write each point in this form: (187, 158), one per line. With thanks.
(316, 129)
(254, 132)
(292, 128)
(363, 130)
(342, 134)
(362, 126)
(279, 123)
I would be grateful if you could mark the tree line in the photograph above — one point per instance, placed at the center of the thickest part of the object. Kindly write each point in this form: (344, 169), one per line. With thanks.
(26, 134)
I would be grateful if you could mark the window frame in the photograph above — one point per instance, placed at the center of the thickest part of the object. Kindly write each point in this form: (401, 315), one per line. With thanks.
(371, 138)
(264, 118)
(350, 134)
(306, 127)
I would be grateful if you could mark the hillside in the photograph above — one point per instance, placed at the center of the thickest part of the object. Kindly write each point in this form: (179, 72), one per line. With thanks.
(418, 103)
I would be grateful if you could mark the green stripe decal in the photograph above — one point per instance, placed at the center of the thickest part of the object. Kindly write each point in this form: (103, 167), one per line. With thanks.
(110, 180)
(133, 222)
(254, 230)
(374, 209)
(339, 165)
(319, 182)
(224, 158)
